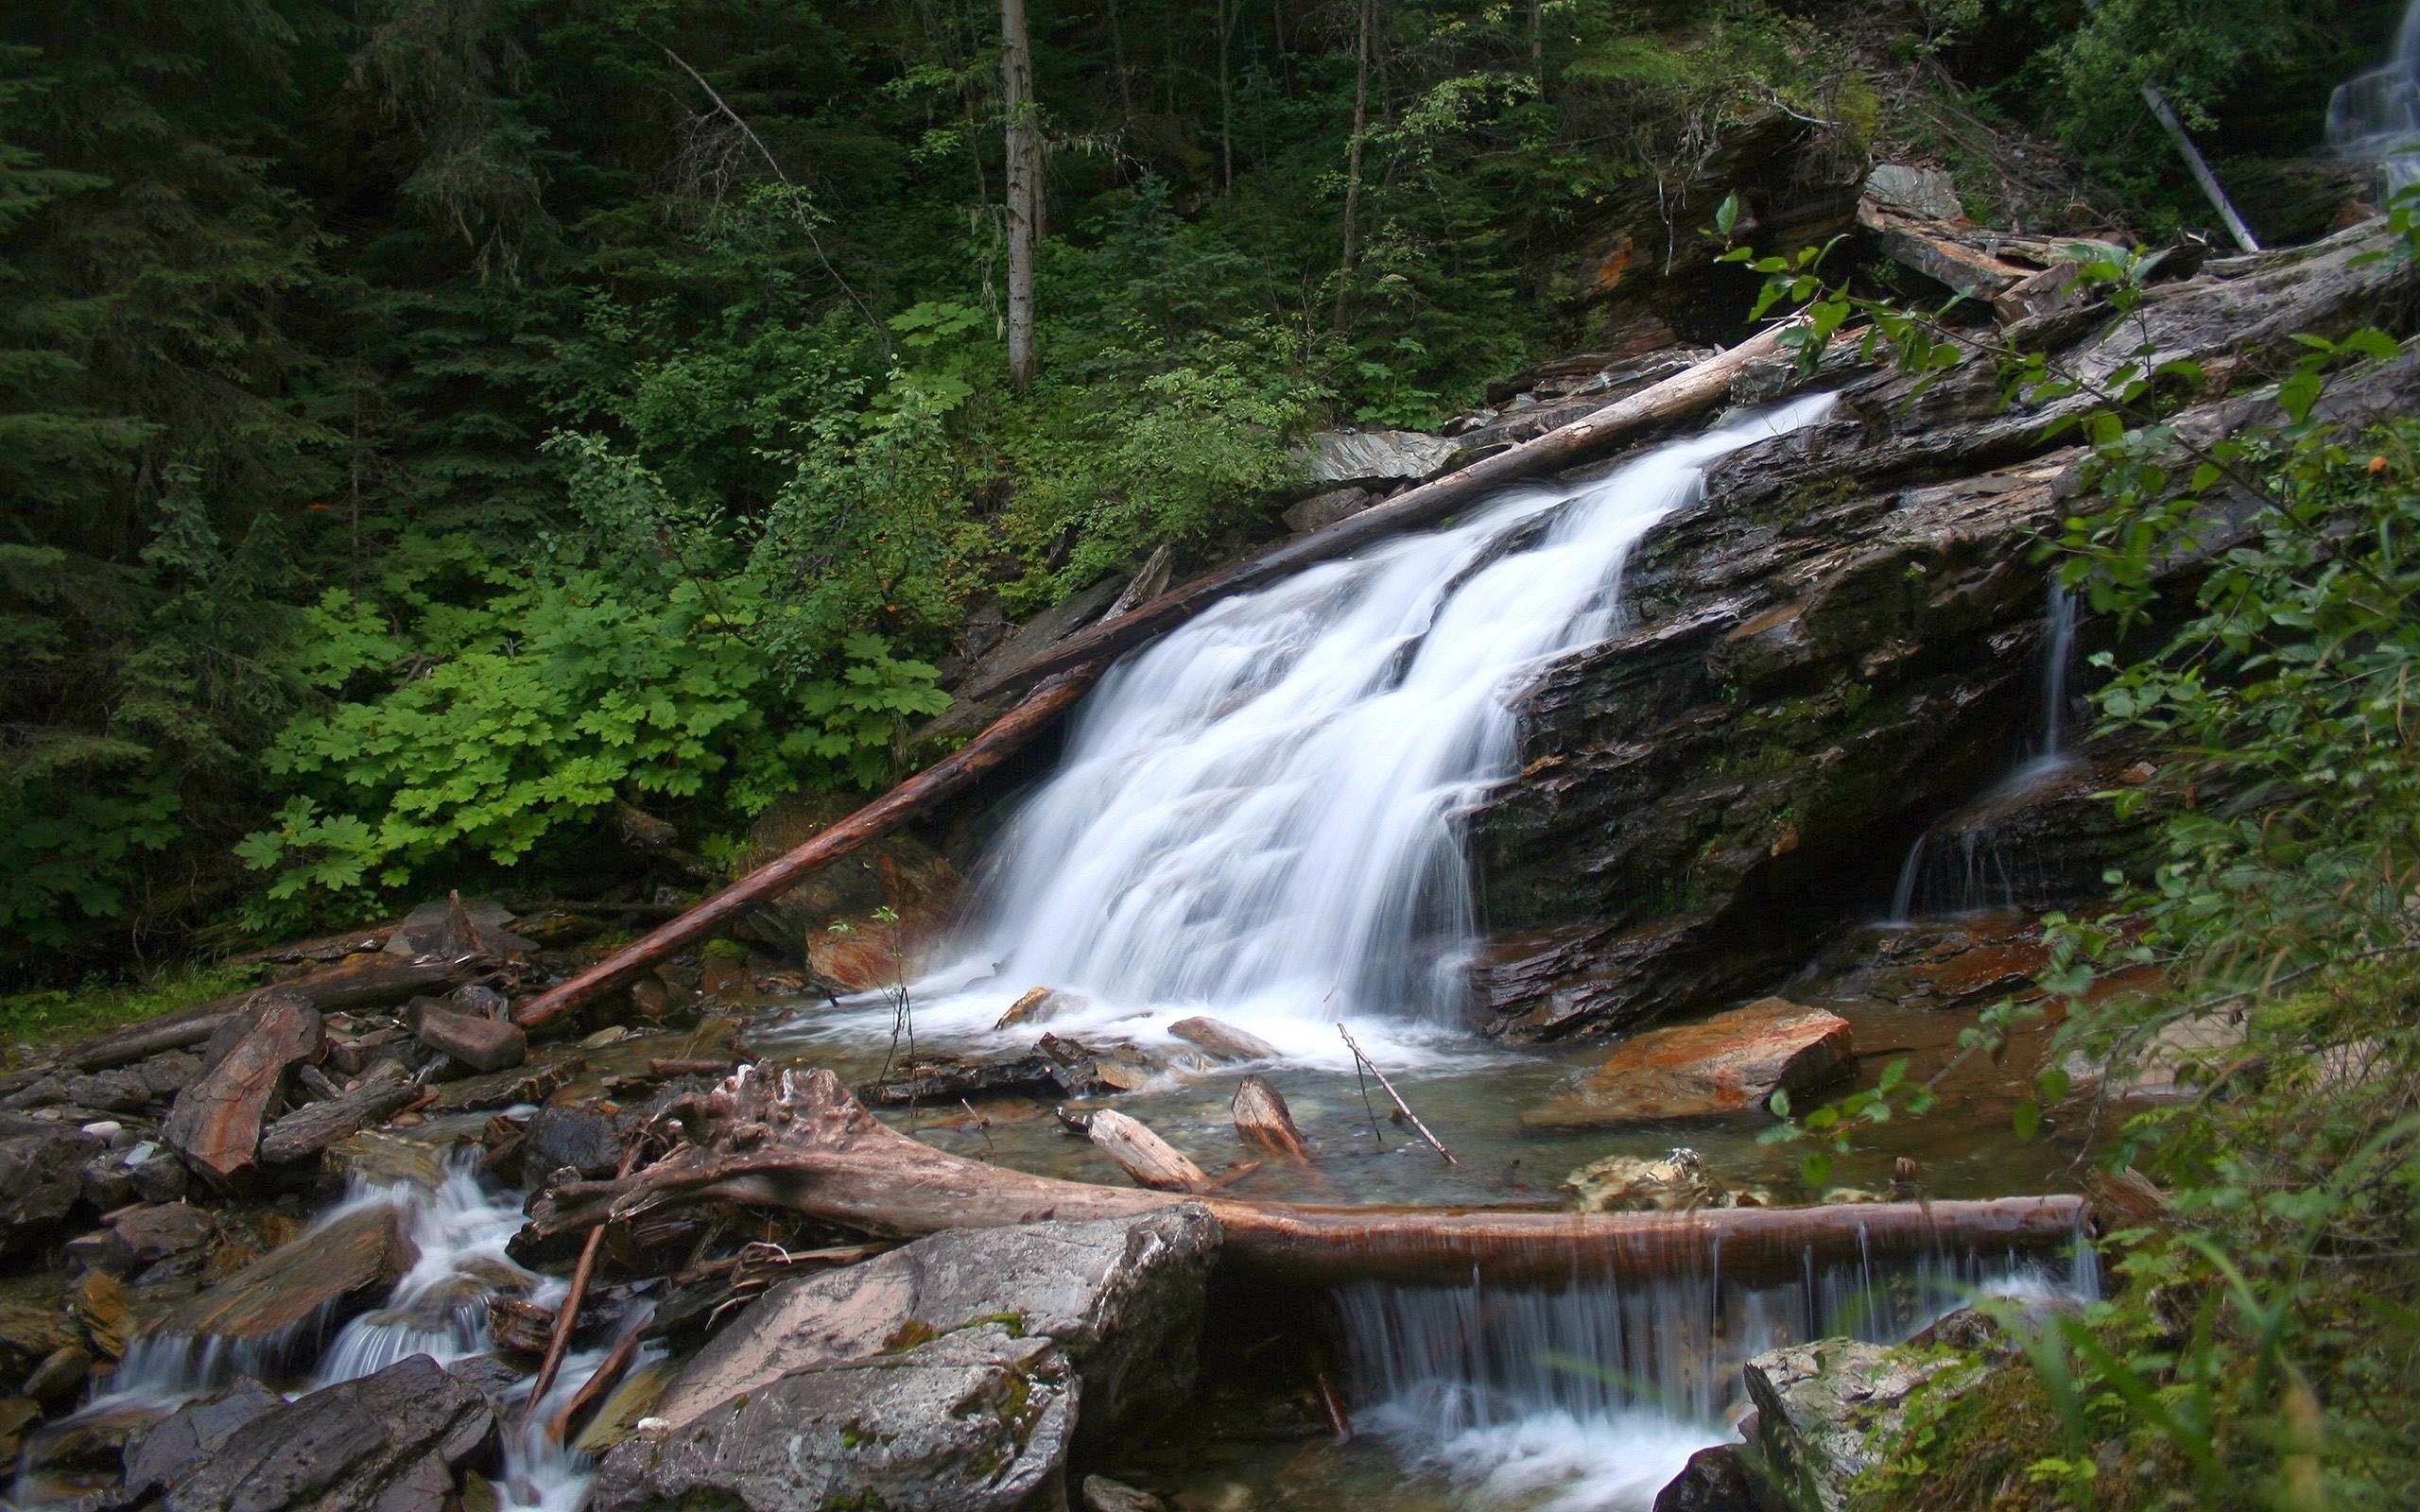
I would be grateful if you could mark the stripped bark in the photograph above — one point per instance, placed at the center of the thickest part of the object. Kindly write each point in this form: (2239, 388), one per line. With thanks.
(1683, 394)
(215, 1123)
(360, 982)
(1266, 1123)
(1152, 1160)
(799, 1141)
(307, 1131)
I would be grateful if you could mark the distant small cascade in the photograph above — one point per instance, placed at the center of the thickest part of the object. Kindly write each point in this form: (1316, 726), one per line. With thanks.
(1965, 868)
(1591, 1398)
(2375, 115)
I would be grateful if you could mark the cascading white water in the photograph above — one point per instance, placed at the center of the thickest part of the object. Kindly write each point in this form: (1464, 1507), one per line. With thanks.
(1258, 812)
(1591, 1399)
(437, 1308)
(2375, 115)
(1966, 870)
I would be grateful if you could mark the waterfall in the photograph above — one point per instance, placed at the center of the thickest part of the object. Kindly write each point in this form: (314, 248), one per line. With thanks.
(2375, 115)
(1259, 812)
(1963, 868)
(1590, 1399)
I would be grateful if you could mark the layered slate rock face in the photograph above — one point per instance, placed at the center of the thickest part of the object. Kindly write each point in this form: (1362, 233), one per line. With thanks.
(958, 1371)
(396, 1441)
(1838, 646)
(1824, 1411)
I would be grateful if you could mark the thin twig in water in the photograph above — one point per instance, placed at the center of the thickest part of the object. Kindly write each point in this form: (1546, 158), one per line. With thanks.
(1360, 1059)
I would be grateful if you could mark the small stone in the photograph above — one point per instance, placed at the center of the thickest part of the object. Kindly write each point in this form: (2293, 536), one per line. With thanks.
(1101, 1494)
(482, 1044)
(60, 1379)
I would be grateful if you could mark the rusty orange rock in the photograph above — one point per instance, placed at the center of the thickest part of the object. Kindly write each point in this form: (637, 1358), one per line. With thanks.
(1725, 1064)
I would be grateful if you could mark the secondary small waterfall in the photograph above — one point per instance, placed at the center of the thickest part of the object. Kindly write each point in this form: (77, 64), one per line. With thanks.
(2375, 115)
(1591, 1398)
(1960, 869)
(1259, 812)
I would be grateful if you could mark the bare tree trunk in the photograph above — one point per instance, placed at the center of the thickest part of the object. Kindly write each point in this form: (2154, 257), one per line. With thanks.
(1024, 186)
(1353, 161)
(1118, 60)
(1538, 45)
(1230, 13)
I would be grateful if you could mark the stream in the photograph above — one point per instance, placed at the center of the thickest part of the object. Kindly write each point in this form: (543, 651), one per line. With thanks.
(1257, 817)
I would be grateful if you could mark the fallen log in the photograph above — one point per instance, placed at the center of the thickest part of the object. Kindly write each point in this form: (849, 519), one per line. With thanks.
(1152, 1160)
(1683, 394)
(359, 982)
(313, 1126)
(215, 1123)
(1000, 740)
(1264, 1121)
(797, 1140)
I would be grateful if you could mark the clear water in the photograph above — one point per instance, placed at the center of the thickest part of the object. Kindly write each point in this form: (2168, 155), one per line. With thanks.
(2375, 115)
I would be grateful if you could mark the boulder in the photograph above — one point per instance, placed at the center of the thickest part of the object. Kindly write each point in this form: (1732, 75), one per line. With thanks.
(1222, 1041)
(136, 1237)
(482, 1044)
(1671, 1183)
(979, 1419)
(390, 1442)
(1326, 507)
(1329, 459)
(1825, 1409)
(2175, 1064)
(1718, 1478)
(1925, 193)
(327, 1274)
(1725, 1064)
(159, 1458)
(40, 1178)
(215, 1123)
(1122, 1297)
(582, 1138)
(899, 871)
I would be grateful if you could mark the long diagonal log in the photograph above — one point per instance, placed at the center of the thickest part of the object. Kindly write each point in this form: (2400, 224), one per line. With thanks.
(1002, 739)
(987, 750)
(799, 1141)
(1683, 394)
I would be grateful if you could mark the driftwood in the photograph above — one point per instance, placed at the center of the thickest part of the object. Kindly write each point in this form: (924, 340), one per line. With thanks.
(307, 1131)
(799, 1141)
(1683, 394)
(1152, 1160)
(1372, 1067)
(215, 1123)
(360, 982)
(1000, 740)
(1266, 1123)
(567, 1316)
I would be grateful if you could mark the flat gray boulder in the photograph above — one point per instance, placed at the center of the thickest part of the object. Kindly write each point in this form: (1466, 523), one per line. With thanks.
(1122, 1296)
(976, 1420)
(1329, 459)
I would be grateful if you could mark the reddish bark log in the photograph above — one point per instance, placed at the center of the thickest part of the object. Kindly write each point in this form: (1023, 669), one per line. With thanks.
(799, 1141)
(1683, 394)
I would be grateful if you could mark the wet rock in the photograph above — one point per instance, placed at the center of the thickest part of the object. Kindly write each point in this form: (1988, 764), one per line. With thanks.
(1123, 1298)
(83, 1452)
(136, 1237)
(1101, 1494)
(17, 1414)
(31, 1332)
(1332, 457)
(105, 1182)
(384, 1159)
(1718, 1478)
(60, 1379)
(975, 1420)
(1824, 1409)
(41, 1166)
(482, 1044)
(588, 1142)
(1328, 506)
(1223, 1041)
(1040, 1006)
(169, 1451)
(1725, 1064)
(1629, 1184)
(391, 1442)
(322, 1276)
